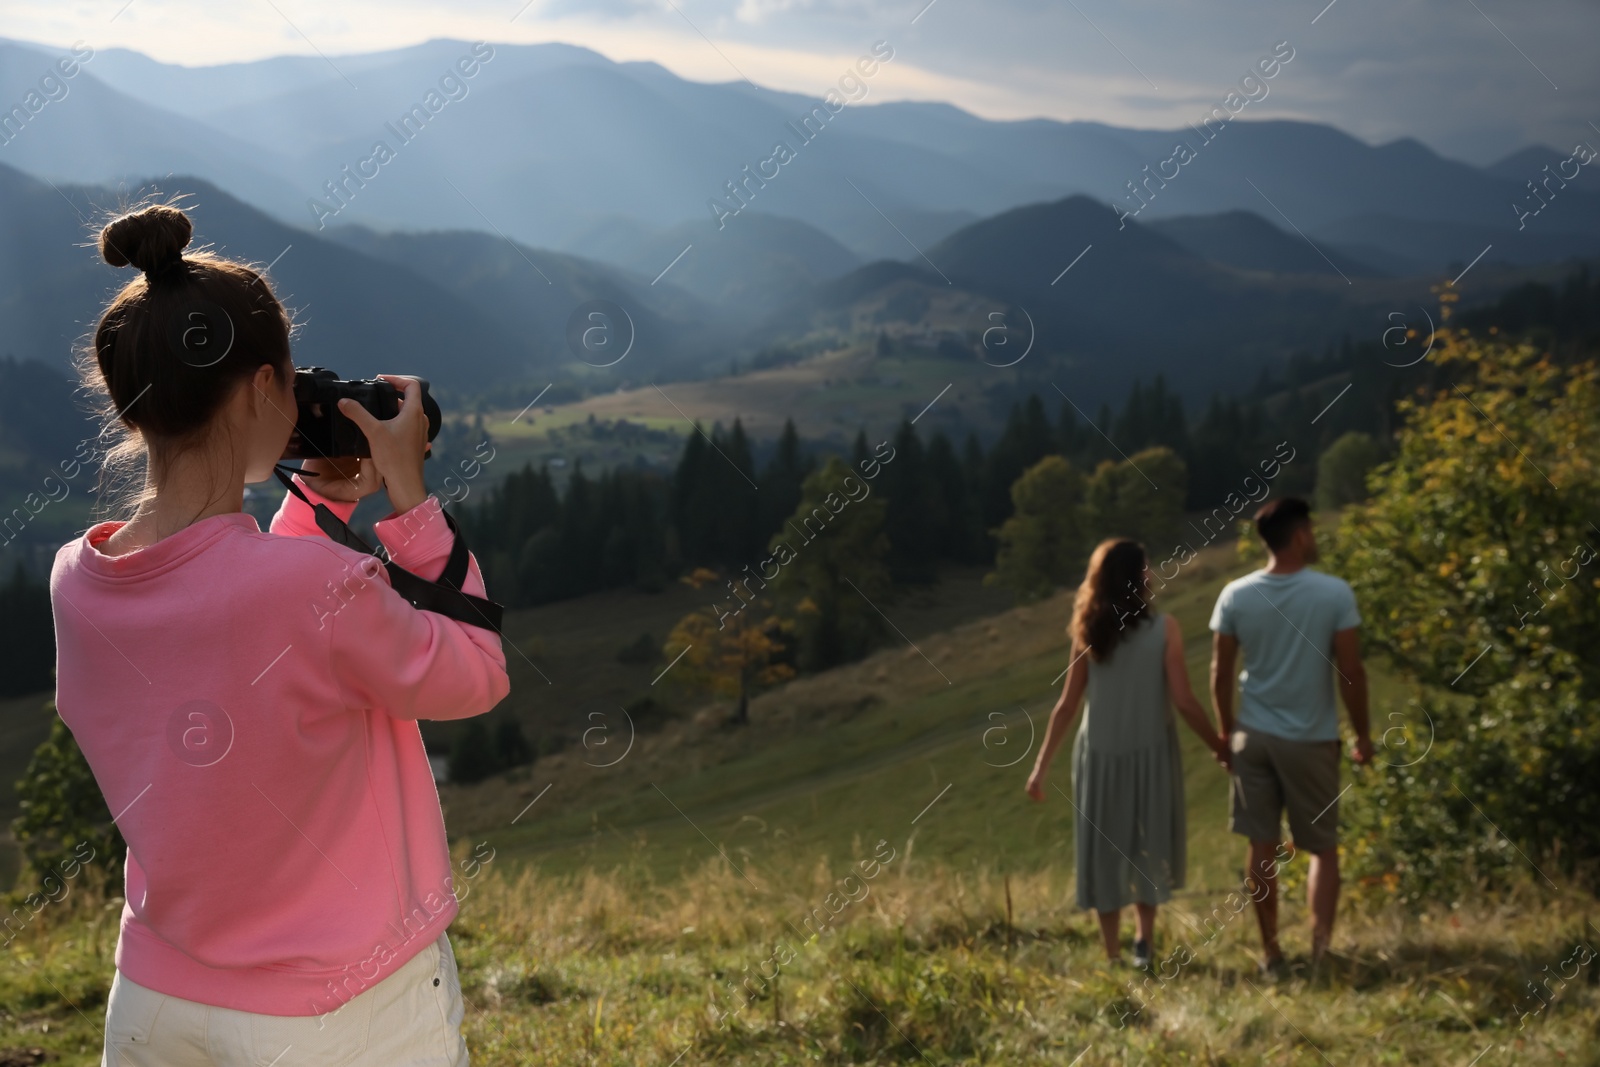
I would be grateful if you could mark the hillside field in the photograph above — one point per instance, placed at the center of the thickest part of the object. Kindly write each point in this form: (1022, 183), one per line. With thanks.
(620, 901)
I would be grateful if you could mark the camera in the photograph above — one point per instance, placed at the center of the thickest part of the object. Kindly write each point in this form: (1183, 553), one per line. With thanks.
(321, 432)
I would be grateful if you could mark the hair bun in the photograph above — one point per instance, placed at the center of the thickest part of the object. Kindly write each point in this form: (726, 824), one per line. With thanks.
(148, 239)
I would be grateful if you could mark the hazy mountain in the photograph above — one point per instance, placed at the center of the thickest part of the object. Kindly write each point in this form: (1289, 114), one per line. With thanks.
(1454, 245)
(358, 315)
(1107, 302)
(1526, 165)
(535, 294)
(750, 267)
(1246, 240)
(545, 142)
(94, 133)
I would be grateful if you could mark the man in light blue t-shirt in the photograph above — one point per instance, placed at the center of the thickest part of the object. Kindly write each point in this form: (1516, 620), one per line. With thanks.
(1297, 629)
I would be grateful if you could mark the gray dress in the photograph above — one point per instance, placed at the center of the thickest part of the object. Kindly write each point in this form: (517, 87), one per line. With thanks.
(1127, 778)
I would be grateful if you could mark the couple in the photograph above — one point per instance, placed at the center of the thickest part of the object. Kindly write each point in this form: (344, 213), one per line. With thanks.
(1297, 630)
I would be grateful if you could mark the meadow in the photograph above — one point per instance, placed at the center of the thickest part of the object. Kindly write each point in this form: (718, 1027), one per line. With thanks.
(857, 877)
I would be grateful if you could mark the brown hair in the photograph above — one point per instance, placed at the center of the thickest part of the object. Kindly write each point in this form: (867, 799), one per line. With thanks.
(1110, 597)
(175, 342)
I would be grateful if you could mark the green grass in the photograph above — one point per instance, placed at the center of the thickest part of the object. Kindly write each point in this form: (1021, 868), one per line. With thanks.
(856, 754)
(620, 904)
(934, 965)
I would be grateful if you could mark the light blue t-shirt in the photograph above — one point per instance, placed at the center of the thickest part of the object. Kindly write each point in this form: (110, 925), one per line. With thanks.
(1285, 625)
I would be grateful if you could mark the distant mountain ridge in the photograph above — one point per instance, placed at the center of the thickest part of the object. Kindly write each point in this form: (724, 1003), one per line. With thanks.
(553, 140)
(363, 308)
(1245, 240)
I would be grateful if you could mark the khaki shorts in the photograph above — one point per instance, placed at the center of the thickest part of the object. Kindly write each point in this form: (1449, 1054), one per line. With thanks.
(411, 1018)
(1273, 773)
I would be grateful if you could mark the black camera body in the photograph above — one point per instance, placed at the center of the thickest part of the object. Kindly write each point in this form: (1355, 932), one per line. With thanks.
(321, 432)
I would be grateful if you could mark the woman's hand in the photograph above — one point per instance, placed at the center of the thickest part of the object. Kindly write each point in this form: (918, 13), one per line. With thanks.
(398, 446)
(1036, 783)
(347, 478)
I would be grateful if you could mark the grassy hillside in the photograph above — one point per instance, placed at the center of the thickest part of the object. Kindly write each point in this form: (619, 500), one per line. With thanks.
(851, 755)
(629, 886)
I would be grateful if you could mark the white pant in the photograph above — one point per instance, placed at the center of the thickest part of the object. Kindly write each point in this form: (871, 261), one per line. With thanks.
(410, 1019)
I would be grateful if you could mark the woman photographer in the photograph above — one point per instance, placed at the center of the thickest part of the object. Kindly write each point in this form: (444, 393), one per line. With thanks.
(248, 700)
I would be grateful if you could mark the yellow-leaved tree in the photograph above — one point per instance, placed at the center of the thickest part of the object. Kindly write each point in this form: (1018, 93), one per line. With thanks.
(734, 649)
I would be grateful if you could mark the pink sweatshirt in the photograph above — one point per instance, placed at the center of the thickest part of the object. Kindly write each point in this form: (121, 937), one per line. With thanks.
(247, 702)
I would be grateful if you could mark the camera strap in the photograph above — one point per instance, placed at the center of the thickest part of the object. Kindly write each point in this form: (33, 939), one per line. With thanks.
(443, 597)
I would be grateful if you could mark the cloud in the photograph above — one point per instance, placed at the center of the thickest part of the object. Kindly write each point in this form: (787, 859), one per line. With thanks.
(1472, 82)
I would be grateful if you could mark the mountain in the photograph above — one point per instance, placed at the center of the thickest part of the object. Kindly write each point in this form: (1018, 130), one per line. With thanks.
(545, 142)
(93, 133)
(1245, 240)
(746, 269)
(537, 295)
(357, 314)
(1102, 301)
(1525, 165)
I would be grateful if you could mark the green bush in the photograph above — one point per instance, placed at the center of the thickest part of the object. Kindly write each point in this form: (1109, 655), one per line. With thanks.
(62, 808)
(1477, 564)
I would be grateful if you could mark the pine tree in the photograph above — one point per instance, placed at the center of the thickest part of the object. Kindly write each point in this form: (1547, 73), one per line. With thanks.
(914, 512)
(740, 534)
(781, 481)
(694, 499)
(955, 537)
(27, 636)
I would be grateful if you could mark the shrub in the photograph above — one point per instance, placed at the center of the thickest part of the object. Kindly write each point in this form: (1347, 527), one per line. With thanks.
(1476, 564)
(62, 807)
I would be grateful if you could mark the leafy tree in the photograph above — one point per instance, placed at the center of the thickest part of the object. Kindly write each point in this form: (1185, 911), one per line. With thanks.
(732, 653)
(831, 582)
(1140, 497)
(1042, 544)
(62, 808)
(1477, 563)
(1342, 470)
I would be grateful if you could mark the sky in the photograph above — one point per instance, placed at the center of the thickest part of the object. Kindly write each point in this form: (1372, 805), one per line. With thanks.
(1472, 79)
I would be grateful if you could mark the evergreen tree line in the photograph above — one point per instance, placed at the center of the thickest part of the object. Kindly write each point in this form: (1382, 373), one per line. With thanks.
(631, 527)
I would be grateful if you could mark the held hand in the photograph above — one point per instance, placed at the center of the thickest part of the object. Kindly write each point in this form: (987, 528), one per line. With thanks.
(1361, 752)
(1222, 752)
(1036, 784)
(347, 479)
(398, 445)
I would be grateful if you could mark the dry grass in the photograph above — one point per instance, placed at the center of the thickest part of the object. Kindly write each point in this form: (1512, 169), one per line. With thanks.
(928, 966)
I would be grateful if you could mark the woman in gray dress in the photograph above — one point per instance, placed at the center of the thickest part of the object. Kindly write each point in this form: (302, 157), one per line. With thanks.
(1127, 775)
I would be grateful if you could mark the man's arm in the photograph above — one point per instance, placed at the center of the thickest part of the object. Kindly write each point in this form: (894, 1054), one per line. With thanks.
(1353, 687)
(1224, 656)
